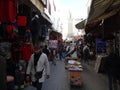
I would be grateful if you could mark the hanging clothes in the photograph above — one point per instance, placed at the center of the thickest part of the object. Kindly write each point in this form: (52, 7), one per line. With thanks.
(26, 51)
(3, 31)
(15, 51)
(22, 20)
(12, 30)
(8, 10)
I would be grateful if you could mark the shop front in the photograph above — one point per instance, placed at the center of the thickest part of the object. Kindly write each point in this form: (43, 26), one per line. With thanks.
(103, 23)
(17, 36)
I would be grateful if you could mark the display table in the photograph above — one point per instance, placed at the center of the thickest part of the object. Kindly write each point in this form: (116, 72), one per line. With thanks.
(74, 72)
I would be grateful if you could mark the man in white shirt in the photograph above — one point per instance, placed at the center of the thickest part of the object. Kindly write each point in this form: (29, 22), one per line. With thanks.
(38, 62)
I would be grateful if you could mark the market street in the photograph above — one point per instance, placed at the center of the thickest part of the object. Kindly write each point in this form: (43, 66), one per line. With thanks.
(91, 80)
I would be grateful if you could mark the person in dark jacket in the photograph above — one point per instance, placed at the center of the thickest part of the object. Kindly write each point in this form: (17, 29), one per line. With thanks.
(46, 51)
(112, 68)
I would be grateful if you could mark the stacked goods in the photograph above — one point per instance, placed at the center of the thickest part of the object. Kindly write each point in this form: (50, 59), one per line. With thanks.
(75, 72)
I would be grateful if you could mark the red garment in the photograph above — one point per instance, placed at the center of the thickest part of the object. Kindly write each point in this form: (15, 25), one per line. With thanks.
(10, 31)
(26, 51)
(15, 52)
(22, 20)
(8, 10)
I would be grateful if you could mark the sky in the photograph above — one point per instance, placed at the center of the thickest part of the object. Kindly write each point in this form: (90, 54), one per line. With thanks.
(78, 8)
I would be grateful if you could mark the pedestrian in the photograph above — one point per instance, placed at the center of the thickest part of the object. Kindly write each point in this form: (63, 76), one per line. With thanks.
(53, 56)
(38, 67)
(28, 84)
(86, 53)
(111, 67)
(46, 51)
(60, 51)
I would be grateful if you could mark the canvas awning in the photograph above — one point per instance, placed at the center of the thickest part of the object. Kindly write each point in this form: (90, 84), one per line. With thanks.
(80, 25)
(44, 17)
(98, 7)
(101, 10)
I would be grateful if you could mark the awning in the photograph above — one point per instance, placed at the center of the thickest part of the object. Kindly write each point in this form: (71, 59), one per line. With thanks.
(98, 7)
(102, 17)
(47, 18)
(101, 10)
(54, 35)
(80, 25)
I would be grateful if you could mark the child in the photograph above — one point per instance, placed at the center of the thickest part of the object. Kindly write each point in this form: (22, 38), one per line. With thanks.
(28, 84)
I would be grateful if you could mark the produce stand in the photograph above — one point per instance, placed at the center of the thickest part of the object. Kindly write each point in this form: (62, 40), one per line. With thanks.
(74, 71)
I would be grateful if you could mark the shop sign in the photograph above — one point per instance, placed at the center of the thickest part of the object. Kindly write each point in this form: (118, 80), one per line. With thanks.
(101, 46)
(53, 43)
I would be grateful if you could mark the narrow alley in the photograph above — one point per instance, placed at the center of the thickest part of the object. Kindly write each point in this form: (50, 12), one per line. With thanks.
(60, 44)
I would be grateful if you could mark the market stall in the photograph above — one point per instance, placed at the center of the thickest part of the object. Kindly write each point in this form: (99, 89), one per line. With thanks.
(74, 71)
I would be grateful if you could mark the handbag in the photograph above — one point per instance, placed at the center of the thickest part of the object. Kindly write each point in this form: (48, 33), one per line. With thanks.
(38, 75)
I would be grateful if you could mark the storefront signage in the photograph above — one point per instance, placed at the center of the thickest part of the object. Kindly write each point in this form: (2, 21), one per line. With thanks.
(53, 43)
(101, 46)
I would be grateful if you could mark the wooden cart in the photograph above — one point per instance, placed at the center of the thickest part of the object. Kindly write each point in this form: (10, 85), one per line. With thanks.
(74, 71)
(75, 77)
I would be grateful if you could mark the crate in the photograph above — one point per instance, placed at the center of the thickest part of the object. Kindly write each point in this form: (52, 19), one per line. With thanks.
(75, 77)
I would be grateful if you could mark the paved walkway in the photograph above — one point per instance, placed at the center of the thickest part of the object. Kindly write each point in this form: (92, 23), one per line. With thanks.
(91, 80)
(58, 79)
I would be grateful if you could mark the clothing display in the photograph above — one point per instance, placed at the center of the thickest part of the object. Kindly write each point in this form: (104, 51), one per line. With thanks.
(3, 32)
(22, 20)
(9, 10)
(26, 51)
(15, 51)
(17, 33)
(5, 48)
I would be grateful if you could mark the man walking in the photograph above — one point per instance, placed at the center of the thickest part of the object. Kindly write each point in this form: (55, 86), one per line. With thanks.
(38, 63)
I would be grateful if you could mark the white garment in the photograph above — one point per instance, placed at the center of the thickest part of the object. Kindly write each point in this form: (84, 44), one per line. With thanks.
(42, 63)
(74, 55)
